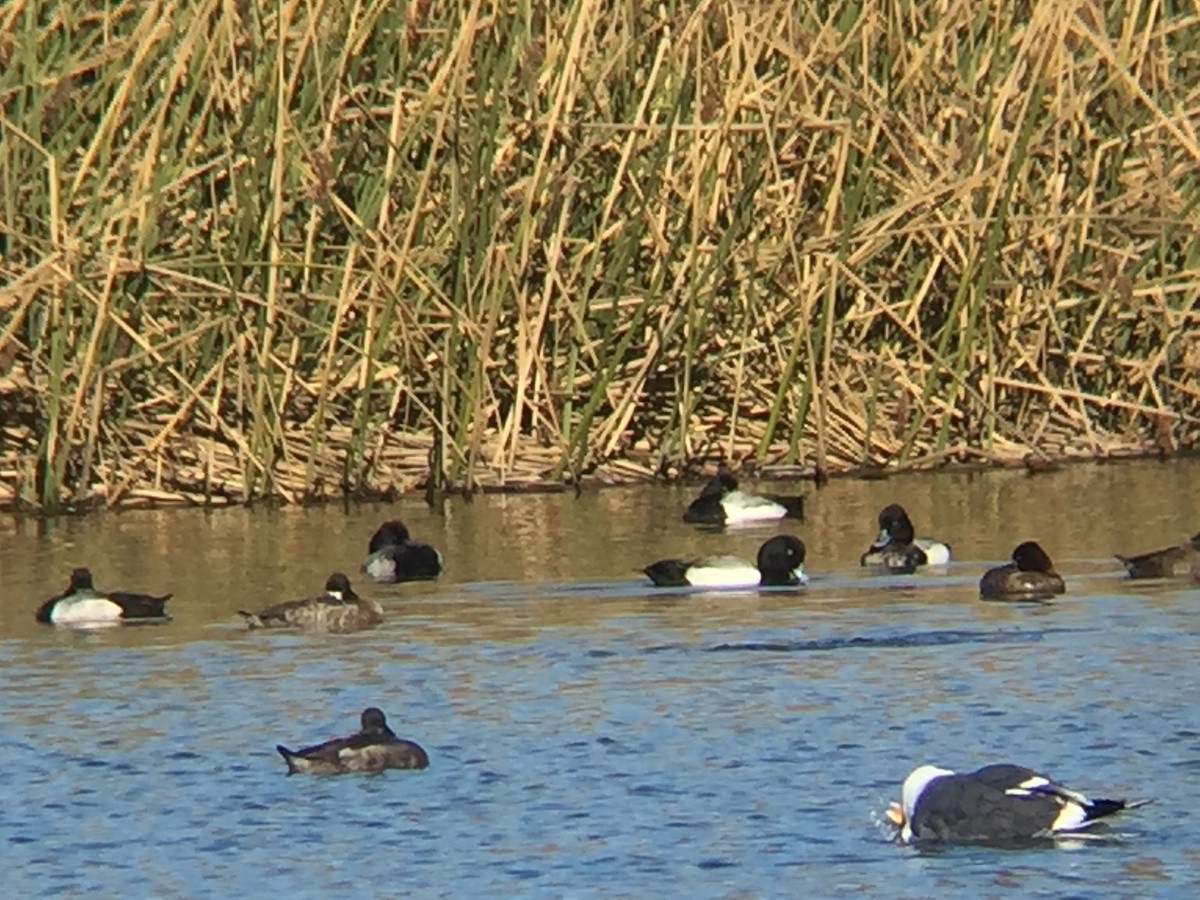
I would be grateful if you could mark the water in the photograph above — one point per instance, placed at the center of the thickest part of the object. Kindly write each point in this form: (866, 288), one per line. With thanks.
(589, 735)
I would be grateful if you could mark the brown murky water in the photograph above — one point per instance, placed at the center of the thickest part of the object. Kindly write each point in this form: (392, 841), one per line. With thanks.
(586, 730)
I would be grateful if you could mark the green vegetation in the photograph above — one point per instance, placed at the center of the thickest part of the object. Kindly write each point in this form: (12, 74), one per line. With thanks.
(306, 249)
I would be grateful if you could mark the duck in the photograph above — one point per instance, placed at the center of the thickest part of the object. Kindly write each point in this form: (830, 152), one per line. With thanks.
(898, 549)
(1172, 562)
(82, 604)
(1030, 576)
(721, 503)
(394, 556)
(1000, 803)
(780, 563)
(373, 748)
(338, 610)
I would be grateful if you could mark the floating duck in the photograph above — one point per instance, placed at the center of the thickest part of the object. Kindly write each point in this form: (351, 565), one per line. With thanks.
(82, 604)
(721, 503)
(1030, 576)
(898, 549)
(1001, 803)
(1173, 562)
(780, 563)
(337, 610)
(394, 556)
(371, 749)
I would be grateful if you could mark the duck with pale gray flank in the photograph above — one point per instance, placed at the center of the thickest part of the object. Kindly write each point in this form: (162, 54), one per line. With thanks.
(780, 564)
(1030, 576)
(338, 610)
(371, 749)
(1173, 562)
(82, 604)
(394, 556)
(721, 503)
(898, 549)
(998, 804)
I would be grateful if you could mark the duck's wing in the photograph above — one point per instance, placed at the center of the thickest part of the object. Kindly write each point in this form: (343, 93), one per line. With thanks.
(140, 606)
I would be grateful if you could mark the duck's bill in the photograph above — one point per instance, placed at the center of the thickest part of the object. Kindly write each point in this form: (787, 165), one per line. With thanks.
(895, 814)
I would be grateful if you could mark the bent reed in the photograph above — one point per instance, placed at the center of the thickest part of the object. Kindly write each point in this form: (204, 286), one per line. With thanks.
(299, 251)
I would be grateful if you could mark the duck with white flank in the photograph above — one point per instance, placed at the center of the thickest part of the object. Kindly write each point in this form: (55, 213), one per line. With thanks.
(337, 610)
(82, 604)
(780, 564)
(394, 556)
(898, 549)
(1172, 562)
(721, 503)
(372, 749)
(1002, 804)
(1030, 576)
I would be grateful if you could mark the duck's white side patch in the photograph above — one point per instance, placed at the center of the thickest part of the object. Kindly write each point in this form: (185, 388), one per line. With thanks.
(936, 552)
(742, 507)
(723, 571)
(378, 566)
(88, 609)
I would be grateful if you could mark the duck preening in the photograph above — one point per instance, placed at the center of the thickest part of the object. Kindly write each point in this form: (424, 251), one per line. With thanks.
(82, 604)
(1030, 576)
(394, 556)
(898, 549)
(373, 748)
(1000, 803)
(1172, 562)
(721, 503)
(337, 610)
(780, 563)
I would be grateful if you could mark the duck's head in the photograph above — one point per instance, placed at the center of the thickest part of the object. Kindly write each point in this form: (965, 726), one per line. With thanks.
(373, 719)
(389, 534)
(1030, 557)
(900, 814)
(894, 525)
(81, 579)
(337, 586)
(782, 554)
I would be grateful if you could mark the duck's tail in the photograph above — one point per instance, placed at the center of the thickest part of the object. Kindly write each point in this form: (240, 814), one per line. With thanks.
(287, 758)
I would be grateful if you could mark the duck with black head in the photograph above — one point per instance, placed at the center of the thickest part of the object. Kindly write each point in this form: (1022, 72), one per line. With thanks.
(373, 748)
(393, 556)
(1172, 562)
(338, 610)
(898, 549)
(720, 503)
(81, 604)
(1030, 576)
(780, 564)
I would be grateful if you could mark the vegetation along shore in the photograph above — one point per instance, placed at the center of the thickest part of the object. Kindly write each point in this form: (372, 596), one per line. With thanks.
(301, 251)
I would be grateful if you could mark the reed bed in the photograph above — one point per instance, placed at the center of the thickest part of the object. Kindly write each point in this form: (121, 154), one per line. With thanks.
(304, 250)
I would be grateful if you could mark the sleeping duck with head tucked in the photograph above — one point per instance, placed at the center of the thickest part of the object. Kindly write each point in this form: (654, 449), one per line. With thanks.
(338, 610)
(82, 605)
(371, 749)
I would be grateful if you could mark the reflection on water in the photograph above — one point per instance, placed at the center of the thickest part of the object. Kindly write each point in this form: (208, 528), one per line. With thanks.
(589, 734)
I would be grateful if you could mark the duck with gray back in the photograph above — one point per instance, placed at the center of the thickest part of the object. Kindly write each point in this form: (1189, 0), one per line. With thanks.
(1171, 562)
(371, 749)
(82, 604)
(898, 549)
(721, 503)
(780, 564)
(338, 610)
(394, 556)
(1030, 576)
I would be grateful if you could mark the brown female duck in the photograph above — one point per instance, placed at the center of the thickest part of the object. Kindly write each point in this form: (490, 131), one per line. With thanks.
(338, 610)
(372, 749)
(1172, 562)
(1030, 576)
